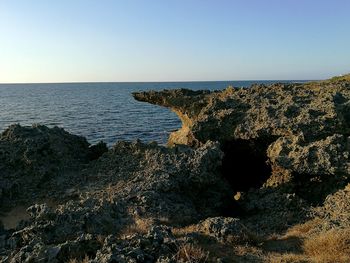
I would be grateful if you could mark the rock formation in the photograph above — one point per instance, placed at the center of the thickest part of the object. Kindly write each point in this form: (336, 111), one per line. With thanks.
(277, 135)
(258, 174)
(313, 110)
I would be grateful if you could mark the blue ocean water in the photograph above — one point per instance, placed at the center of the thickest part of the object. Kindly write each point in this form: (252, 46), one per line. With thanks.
(97, 111)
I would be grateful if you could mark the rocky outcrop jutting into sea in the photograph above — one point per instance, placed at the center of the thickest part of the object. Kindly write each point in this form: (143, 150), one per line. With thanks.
(256, 174)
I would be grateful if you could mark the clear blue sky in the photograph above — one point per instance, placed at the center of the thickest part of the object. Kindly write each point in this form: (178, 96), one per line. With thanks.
(172, 40)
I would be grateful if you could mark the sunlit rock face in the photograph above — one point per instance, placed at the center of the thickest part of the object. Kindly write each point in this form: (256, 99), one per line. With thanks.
(313, 110)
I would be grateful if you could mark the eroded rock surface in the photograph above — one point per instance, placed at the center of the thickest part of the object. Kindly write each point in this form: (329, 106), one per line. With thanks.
(37, 159)
(280, 135)
(132, 181)
(315, 110)
(248, 166)
(336, 209)
(175, 183)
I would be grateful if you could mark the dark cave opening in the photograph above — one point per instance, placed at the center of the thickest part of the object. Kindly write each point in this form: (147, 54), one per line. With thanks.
(245, 165)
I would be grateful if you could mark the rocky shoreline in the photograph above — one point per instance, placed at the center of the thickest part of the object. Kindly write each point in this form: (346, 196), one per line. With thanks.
(257, 174)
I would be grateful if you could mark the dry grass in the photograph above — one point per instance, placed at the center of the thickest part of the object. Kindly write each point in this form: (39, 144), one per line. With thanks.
(326, 247)
(110, 192)
(331, 246)
(302, 230)
(206, 243)
(192, 254)
(285, 258)
(180, 232)
(247, 237)
(241, 250)
(84, 260)
(301, 243)
(232, 250)
(100, 239)
(140, 226)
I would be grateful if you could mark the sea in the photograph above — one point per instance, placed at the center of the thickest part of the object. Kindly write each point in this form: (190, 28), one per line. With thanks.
(99, 111)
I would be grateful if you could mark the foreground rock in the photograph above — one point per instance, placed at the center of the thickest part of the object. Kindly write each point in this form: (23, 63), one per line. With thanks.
(132, 182)
(254, 175)
(38, 159)
(177, 184)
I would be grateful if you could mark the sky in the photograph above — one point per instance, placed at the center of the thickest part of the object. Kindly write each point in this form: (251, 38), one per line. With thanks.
(172, 40)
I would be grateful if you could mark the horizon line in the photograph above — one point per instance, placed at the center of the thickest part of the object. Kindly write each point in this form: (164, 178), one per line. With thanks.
(170, 81)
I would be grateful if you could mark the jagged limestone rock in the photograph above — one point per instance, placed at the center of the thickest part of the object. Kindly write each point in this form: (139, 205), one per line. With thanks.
(32, 158)
(315, 110)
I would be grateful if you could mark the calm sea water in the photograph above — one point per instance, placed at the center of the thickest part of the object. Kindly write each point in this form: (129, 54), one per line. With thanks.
(97, 111)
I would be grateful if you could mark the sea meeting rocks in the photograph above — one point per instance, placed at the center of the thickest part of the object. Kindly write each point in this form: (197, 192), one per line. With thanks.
(248, 167)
